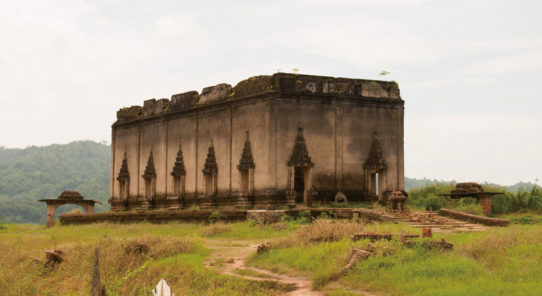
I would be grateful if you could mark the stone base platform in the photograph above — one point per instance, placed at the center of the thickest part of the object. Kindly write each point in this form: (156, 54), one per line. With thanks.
(207, 215)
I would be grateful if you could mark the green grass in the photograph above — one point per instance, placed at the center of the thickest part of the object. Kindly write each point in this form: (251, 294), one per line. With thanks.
(251, 273)
(175, 254)
(523, 218)
(247, 230)
(502, 261)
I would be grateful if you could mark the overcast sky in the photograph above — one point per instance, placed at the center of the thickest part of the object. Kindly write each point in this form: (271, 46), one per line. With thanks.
(470, 72)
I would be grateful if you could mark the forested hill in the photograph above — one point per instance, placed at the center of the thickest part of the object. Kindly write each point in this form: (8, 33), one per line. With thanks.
(29, 174)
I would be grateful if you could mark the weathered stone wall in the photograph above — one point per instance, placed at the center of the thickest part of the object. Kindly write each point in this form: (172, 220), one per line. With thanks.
(207, 215)
(339, 117)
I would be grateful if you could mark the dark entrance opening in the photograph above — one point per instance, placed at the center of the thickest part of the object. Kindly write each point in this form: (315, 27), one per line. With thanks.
(148, 188)
(122, 188)
(244, 182)
(299, 184)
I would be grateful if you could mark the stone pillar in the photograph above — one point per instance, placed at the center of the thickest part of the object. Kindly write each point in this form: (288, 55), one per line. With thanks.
(290, 192)
(89, 209)
(51, 211)
(250, 181)
(485, 202)
(382, 184)
(308, 186)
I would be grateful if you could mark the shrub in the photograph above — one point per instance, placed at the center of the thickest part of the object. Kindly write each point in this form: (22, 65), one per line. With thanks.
(326, 215)
(434, 203)
(216, 216)
(304, 217)
(520, 201)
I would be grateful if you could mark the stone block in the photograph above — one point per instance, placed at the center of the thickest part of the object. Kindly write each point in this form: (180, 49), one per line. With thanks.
(373, 90)
(161, 106)
(148, 107)
(265, 216)
(184, 101)
(215, 93)
(129, 113)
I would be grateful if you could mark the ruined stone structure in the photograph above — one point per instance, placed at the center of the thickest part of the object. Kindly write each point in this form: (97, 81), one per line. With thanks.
(471, 189)
(268, 142)
(67, 197)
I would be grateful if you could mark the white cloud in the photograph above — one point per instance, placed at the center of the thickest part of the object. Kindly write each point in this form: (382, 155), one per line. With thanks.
(479, 147)
(510, 64)
(177, 26)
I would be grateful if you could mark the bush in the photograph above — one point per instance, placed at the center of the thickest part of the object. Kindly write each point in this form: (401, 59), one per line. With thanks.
(508, 202)
(304, 217)
(216, 216)
(329, 216)
(520, 201)
(434, 203)
(425, 197)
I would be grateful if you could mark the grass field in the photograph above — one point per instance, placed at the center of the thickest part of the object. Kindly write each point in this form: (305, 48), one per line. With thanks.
(502, 261)
(175, 253)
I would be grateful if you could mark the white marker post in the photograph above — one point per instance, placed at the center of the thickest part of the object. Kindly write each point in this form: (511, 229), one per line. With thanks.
(162, 289)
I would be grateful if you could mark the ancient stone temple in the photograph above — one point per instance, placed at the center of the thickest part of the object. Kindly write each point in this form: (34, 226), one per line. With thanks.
(268, 142)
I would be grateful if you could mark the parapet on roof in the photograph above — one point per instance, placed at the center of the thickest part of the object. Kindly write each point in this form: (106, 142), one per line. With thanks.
(284, 84)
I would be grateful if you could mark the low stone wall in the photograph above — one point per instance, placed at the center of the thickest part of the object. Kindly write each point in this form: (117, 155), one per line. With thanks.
(344, 213)
(207, 215)
(474, 218)
(154, 216)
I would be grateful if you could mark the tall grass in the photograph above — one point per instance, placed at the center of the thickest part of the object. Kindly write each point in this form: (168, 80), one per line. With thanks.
(172, 252)
(502, 261)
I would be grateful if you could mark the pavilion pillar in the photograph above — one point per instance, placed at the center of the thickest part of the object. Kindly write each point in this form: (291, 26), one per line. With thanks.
(89, 208)
(51, 211)
(485, 202)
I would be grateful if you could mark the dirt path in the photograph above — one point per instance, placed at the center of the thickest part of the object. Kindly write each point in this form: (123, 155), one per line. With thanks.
(228, 256)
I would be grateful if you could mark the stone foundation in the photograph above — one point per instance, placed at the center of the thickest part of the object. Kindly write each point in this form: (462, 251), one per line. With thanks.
(205, 215)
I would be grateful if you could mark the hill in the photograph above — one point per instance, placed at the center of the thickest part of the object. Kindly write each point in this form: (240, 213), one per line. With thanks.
(29, 174)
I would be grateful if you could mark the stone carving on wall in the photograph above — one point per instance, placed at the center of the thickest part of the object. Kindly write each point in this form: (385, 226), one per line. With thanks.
(124, 179)
(210, 172)
(150, 182)
(299, 171)
(246, 162)
(300, 157)
(375, 171)
(246, 168)
(178, 167)
(375, 161)
(178, 173)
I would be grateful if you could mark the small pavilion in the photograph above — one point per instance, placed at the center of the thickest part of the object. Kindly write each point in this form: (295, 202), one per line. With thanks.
(475, 190)
(67, 197)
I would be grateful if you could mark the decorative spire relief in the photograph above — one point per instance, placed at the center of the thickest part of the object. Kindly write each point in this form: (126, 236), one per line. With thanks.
(210, 166)
(375, 161)
(149, 170)
(124, 175)
(300, 157)
(246, 162)
(178, 167)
